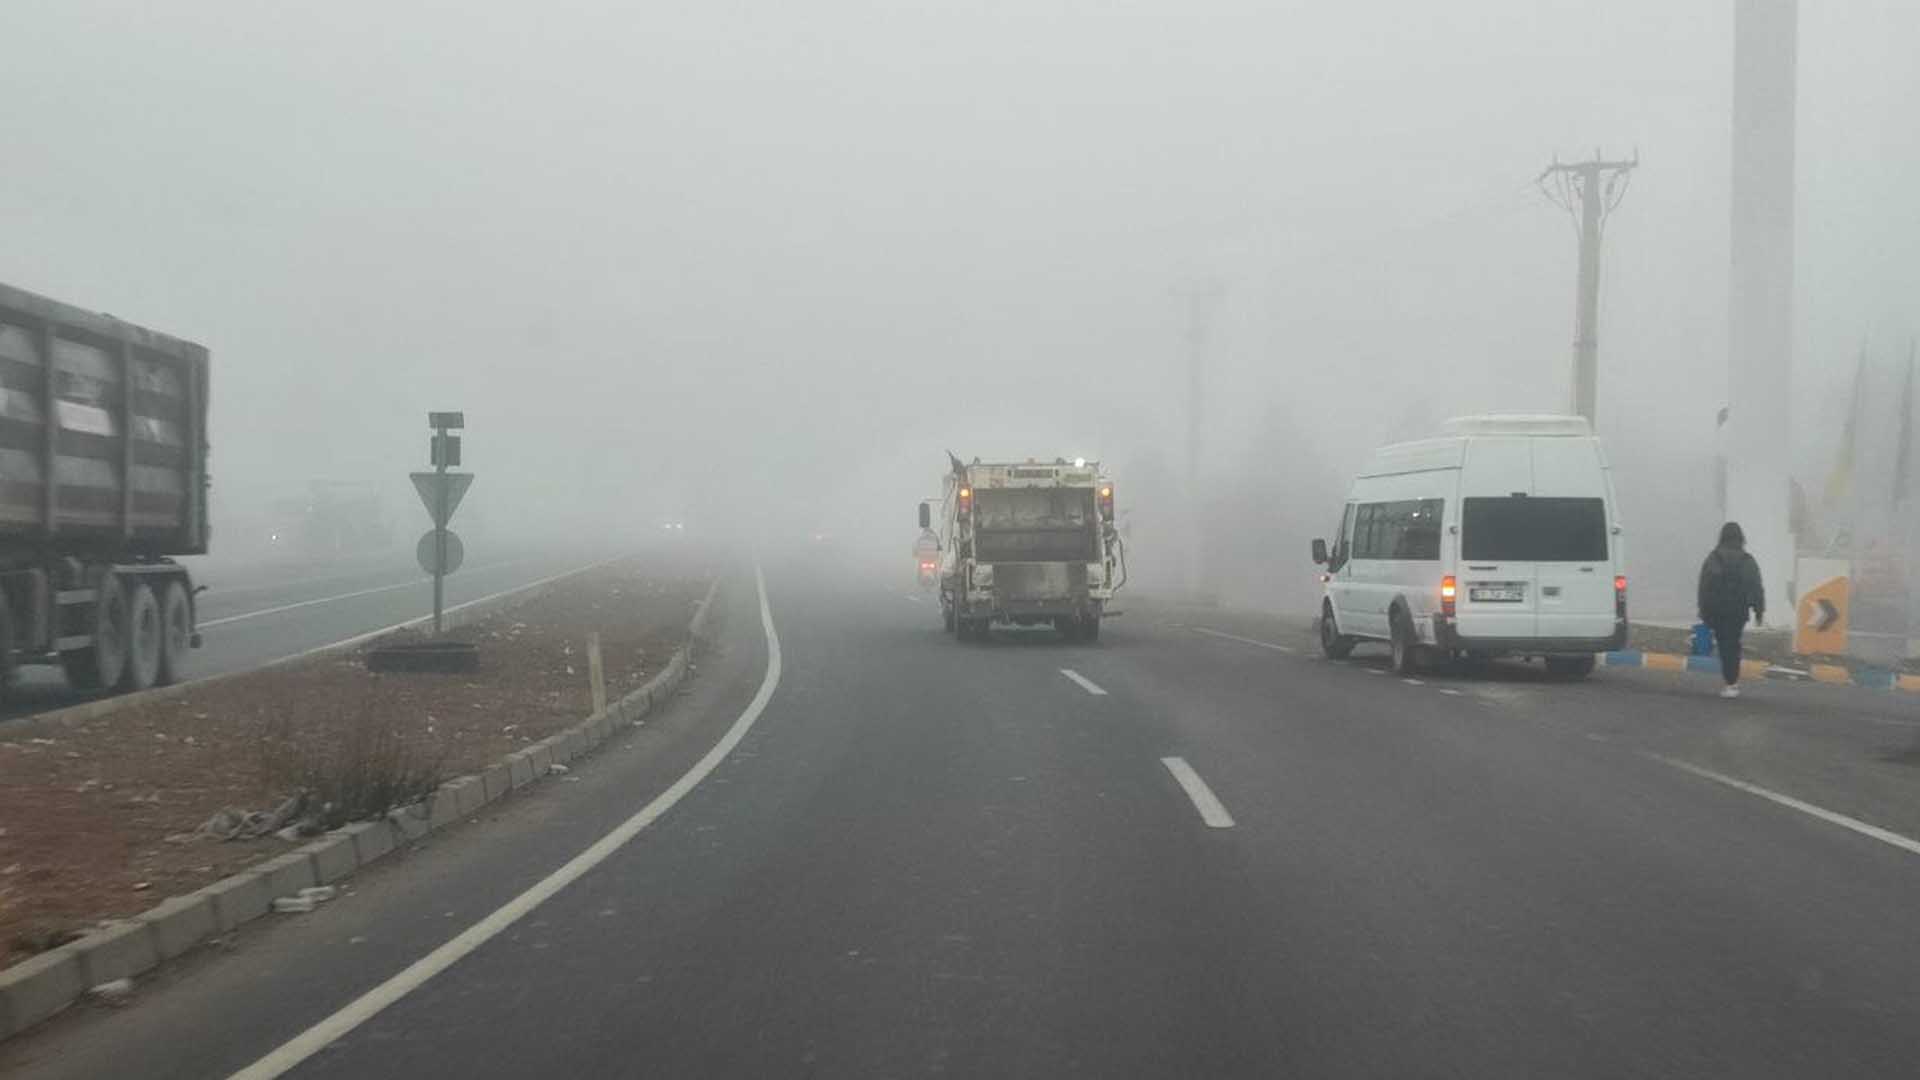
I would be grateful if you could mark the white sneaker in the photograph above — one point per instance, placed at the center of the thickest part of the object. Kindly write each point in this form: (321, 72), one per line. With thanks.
(1730, 692)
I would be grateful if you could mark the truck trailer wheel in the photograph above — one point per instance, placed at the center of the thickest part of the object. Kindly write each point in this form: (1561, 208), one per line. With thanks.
(145, 639)
(176, 632)
(1090, 626)
(103, 663)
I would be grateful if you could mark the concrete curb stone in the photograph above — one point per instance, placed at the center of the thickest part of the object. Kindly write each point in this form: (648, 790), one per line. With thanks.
(370, 839)
(120, 951)
(497, 779)
(238, 899)
(287, 874)
(540, 755)
(520, 769)
(41, 986)
(180, 922)
(333, 858)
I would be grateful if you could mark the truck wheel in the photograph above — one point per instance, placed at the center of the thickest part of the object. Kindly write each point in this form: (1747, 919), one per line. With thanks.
(102, 663)
(1090, 627)
(176, 632)
(1333, 644)
(8, 663)
(946, 613)
(144, 639)
(1406, 648)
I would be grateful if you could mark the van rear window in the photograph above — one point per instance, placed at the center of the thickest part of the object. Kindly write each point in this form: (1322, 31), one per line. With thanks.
(1526, 529)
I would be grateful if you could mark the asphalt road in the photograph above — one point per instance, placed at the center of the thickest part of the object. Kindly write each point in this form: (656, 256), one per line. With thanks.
(250, 616)
(930, 858)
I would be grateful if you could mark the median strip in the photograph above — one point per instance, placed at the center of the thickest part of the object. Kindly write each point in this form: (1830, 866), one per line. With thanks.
(145, 776)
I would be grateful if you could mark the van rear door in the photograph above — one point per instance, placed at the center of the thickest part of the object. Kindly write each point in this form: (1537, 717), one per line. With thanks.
(1575, 571)
(1496, 585)
(1549, 567)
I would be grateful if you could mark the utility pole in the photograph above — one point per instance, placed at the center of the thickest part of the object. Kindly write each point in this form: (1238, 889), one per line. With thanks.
(1200, 298)
(1589, 190)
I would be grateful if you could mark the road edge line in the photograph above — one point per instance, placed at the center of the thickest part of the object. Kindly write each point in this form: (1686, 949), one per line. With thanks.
(370, 1004)
(1821, 813)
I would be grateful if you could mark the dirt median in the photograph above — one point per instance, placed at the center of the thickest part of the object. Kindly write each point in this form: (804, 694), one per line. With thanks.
(101, 819)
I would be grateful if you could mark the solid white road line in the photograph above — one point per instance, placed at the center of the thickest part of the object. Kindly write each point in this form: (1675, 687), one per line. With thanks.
(415, 584)
(415, 975)
(1241, 640)
(1085, 683)
(1211, 812)
(1894, 839)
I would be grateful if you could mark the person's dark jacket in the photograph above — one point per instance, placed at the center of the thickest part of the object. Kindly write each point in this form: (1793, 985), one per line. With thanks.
(1730, 586)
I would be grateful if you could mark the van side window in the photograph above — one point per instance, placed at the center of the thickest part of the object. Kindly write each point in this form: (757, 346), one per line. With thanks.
(1420, 533)
(1408, 529)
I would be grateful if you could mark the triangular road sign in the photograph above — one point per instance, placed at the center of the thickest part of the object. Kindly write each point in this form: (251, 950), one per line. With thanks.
(441, 492)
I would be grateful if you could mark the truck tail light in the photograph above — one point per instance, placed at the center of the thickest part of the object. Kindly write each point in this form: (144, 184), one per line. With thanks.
(1106, 502)
(966, 500)
(1620, 596)
(1449, 595)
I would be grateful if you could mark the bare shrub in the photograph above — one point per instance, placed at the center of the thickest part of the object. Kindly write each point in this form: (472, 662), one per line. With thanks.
(353, 759)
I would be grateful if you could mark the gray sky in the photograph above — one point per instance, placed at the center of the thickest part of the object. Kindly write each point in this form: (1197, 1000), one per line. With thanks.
(652, 249)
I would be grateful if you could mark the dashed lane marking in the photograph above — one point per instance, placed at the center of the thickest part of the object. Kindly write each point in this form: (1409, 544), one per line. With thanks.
(1085, 683)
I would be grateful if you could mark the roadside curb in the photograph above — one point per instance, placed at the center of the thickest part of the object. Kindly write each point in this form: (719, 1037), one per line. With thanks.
(456, 616)
(43, 985)
(1832, 674)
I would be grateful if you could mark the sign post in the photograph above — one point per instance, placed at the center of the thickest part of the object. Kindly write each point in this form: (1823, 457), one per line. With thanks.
(440, 551)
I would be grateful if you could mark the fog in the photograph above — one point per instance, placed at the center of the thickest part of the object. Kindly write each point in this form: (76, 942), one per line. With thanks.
(759, 265)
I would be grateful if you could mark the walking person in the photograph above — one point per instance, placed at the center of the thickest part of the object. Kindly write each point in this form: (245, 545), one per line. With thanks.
(1730, 588)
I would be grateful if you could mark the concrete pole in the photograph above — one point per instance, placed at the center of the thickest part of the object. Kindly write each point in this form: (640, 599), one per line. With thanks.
(1586, 343)
(1760, 293)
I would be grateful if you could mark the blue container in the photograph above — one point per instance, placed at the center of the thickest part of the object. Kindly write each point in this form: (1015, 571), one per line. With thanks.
(1702, 639)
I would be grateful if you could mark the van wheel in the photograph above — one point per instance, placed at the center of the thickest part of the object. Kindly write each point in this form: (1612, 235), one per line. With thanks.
(1570, 667)
(1334, 645)
(1406, 649)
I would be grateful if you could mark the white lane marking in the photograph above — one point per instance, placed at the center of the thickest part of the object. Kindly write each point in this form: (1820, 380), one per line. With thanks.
(1910, 846)
(415, 584)
(1450, 692)
(1414, 682)
(1211, 811)
(1241, 640)
(1373, 671)
(368, 1005)
(1085, 683)
(915, 597)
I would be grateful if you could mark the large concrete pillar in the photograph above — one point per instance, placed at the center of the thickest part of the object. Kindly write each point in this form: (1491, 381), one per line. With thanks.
(1760, 297)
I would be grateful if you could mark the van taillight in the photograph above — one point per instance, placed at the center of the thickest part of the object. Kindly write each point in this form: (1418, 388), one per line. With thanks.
(1449, 592)
(1620, 596)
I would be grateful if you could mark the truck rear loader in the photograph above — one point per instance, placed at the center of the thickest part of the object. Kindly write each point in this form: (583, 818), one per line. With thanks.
(1027, 543)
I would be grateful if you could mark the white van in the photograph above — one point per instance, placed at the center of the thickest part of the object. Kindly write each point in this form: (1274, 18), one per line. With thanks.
(1499, 538)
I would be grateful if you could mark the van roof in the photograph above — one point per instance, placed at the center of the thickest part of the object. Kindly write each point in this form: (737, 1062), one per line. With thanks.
(1534, 424)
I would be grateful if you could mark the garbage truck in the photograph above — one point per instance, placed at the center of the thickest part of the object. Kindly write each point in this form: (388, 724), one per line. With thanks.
(1026, 544)
(103, 481)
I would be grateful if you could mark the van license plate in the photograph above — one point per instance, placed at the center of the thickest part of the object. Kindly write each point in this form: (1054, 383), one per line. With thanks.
(1497, 594)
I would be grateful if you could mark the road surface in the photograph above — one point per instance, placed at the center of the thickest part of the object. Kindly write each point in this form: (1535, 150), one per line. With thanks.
(253, 615)
(1194, 849)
